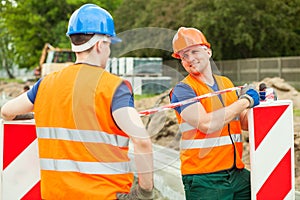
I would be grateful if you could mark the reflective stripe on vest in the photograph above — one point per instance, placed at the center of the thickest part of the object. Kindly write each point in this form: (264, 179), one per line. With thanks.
(210, 142)
(85, 167)
(82, 136)
(183, 127)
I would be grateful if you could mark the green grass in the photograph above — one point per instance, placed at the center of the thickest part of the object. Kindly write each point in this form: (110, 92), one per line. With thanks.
(297, 112)
(9, 80)
(143, 96)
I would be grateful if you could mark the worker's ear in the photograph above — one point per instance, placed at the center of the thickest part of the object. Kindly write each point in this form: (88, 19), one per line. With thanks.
(99, 45)
(209, 51)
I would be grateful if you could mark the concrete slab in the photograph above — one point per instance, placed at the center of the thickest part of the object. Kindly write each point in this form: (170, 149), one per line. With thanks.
(167, 176)
(297, 195)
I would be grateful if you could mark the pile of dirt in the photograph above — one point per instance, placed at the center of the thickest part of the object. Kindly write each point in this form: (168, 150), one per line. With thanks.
(283, 90)
(10, 90)
(162, 126)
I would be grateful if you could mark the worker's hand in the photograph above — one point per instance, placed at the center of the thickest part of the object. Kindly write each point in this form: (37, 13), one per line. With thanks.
(268, 94)
(245, 88)
(262, 95)
(252, 96)
(136, 194)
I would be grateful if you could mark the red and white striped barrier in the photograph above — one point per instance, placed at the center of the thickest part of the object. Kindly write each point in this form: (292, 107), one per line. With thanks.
(181, 103)
(271, 137)
(20, 171)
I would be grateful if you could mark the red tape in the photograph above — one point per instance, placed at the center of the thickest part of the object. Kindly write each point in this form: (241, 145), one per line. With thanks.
(181, 103)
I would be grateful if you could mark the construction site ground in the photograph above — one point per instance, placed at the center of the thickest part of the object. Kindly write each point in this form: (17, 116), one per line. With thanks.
(163, 126)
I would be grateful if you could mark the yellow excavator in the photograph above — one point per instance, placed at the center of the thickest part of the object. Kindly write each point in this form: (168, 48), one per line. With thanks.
(53, 59)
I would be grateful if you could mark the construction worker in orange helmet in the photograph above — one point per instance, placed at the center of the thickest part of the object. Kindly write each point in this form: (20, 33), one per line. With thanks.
(211, 143)
(85, 118)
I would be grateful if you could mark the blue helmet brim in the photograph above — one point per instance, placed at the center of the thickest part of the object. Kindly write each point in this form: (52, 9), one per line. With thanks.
(115, 40)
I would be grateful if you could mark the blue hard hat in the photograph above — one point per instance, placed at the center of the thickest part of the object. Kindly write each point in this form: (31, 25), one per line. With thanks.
(91, 19)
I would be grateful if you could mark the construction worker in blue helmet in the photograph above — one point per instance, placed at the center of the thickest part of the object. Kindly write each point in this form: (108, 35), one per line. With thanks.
(85, 118)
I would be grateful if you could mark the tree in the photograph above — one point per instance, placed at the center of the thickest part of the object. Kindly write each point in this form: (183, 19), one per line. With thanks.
(253, 28)
(157, 24)
(32, 23)
(236, 29)
(6, 52)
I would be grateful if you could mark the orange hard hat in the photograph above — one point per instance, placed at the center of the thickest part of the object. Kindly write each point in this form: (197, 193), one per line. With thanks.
(186, 37)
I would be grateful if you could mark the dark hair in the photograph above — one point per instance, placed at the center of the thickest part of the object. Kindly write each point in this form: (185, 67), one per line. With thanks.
(262, 86)
(26, 87)
(79, 39)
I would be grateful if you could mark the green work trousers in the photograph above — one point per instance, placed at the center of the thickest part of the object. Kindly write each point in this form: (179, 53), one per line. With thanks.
(226, 185)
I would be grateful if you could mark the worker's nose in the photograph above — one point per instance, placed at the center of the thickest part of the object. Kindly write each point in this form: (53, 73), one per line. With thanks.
(189, 58)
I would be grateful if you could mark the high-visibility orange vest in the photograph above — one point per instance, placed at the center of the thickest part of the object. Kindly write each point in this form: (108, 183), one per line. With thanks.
(83, 154)
(202, 153)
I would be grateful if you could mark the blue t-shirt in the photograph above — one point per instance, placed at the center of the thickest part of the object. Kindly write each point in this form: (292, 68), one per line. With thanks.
(183, 92)
(122, 98)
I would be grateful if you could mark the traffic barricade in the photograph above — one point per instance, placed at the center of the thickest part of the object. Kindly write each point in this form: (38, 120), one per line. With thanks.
(20, 171)
(271, 139)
